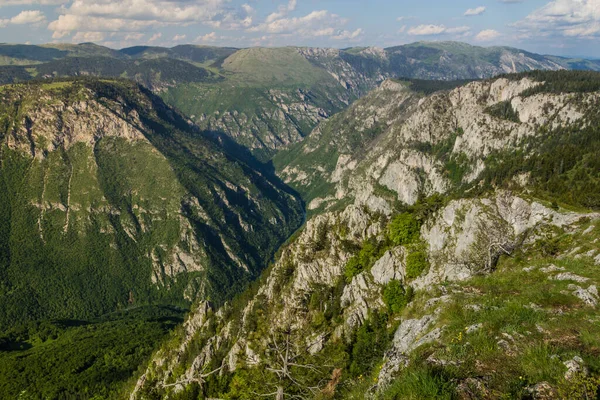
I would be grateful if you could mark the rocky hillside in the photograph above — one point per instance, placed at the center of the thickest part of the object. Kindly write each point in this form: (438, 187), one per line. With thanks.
(396, 144)
(109, 198)
(455, 254)
(267, 99)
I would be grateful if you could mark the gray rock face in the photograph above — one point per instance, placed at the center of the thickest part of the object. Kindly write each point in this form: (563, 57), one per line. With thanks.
(575, 366)
(589, 296)
(410, 335)
(382, 143)
(389, 267)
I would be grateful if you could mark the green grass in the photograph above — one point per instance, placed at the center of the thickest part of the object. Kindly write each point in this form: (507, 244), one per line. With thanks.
(541, 322)
(56, 85)
(260, 66)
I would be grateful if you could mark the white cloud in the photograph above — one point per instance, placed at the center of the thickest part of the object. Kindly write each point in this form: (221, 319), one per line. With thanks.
(209, 37)
(143, 15)
(177, 38)
(155, 37)
(27, 17)
(80, 37)
(282, 11)
(424, 30)
(474, 11)
(133, 36)
(32, 2)
(487, 35)
(319, 23)
(69, 23)
(428, 30)
(570, 18)
(404, 18)
(347, 35)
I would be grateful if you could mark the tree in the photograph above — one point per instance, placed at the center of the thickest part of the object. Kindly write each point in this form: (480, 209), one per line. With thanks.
(285, 361)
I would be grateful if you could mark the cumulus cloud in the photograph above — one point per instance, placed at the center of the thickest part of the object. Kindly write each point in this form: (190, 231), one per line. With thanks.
(569, 18)
(487, 35)
(142, 15)
(209, 37)
(66, 24)
(319, 23)
(347, 35)
(155, 37)
(474, 11)
(423, 30)
(428, 30)
(282, 11)
(178, 38)
(80, 37)
(31, 2)
(28, 17)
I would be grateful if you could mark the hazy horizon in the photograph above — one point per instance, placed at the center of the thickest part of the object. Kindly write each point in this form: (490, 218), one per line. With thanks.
(560, 27)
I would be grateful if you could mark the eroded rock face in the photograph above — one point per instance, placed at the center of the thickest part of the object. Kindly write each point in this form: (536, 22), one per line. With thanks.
(396, 133)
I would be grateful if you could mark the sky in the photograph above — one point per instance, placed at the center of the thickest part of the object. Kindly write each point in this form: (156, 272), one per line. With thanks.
(561, 27)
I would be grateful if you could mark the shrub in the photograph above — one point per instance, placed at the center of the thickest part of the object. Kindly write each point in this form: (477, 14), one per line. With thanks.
(370, 252)
(404, 229)
(369, 344)
(396, 297)
(416, 263)
(579, 387)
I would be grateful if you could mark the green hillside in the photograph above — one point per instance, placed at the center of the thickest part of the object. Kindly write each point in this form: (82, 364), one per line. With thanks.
(110, 198)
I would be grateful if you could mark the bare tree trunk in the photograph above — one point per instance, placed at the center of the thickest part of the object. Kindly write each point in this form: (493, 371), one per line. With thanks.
(279, 395)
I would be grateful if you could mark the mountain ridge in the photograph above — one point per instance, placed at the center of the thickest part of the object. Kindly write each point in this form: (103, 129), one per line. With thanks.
(407, 282)
(267, 99)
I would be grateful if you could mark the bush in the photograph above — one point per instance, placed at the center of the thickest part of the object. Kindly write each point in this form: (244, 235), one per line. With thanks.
(370, 252)
(404, 229)
(369, 344)
(416, 263)
(396, 297)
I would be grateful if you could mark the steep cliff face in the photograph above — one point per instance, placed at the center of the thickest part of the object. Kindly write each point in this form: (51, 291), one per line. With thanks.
(397, 145)
(309, 294)
(110, 197)
(394, 289)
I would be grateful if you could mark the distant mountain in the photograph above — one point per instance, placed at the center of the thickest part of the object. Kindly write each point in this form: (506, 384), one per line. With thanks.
(269, 98)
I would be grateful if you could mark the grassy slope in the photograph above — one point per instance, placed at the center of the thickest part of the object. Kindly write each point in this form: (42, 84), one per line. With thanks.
(541, 323)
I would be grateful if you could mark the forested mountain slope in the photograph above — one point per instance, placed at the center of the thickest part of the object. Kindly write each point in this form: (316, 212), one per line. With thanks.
(455, 256)
(109, 198)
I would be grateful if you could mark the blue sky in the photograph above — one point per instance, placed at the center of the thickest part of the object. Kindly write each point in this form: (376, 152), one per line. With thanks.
(563, 27)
